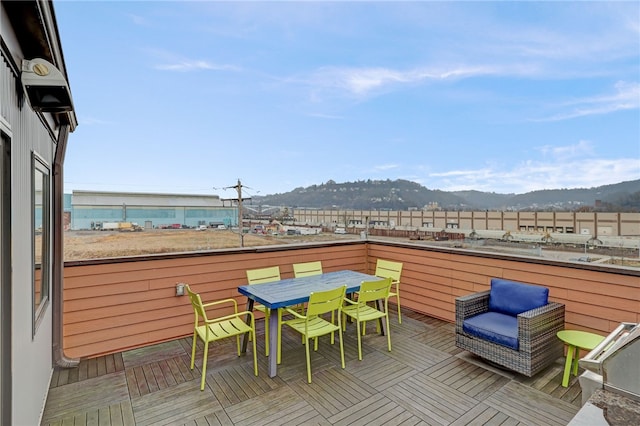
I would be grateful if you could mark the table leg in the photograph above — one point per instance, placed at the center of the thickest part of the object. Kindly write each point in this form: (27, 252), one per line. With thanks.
(568, 366)
(383, 324)
(274, 335)
(245, 340)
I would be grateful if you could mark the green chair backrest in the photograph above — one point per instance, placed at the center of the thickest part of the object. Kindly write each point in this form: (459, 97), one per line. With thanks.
(307, 269)
(263, 275)
(196, 302)
(388, 269)
(322, 302)
(374, 290)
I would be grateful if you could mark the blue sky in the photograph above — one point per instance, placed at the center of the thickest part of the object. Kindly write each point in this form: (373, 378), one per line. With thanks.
(507, 97)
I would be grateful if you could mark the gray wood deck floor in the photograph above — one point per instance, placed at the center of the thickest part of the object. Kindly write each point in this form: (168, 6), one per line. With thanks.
(424, 380)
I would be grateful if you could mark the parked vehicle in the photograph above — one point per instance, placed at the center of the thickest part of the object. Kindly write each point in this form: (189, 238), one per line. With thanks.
(201, 228)
(118, 226)
(108, 226)
(340, 231)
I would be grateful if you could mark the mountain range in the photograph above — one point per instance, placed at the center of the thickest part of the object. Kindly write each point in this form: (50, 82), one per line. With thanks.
(403, 194)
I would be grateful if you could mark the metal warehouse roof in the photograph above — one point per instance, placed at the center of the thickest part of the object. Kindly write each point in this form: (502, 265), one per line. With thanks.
(103, 198)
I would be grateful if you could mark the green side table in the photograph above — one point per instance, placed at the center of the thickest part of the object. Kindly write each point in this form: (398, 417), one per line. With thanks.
(576, 340)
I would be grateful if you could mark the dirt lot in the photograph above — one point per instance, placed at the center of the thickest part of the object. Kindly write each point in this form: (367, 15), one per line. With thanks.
(83, 245)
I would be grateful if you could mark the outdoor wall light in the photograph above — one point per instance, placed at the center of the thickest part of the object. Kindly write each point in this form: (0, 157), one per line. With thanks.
(180, 289)
(46, 87)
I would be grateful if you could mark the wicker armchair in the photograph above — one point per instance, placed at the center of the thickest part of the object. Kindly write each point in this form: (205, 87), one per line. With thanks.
(537, 344)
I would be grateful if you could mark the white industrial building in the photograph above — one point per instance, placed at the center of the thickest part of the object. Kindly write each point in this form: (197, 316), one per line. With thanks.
(91, 208)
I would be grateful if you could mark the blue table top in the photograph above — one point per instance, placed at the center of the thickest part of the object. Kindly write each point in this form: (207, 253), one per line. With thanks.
(292, 291)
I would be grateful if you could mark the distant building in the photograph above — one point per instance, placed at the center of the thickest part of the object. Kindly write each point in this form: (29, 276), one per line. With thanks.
(89, 208)
(600, 224)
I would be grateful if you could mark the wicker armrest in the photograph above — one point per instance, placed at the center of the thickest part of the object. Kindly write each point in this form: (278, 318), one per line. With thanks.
(539, 321)
(470, 305)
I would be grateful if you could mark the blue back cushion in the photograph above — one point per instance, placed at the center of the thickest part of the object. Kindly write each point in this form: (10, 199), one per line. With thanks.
(513, 298)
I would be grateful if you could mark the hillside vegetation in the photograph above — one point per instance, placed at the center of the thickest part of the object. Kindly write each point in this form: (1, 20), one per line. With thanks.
(403, 194)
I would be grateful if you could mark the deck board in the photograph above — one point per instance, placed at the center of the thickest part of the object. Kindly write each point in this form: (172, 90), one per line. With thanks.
(530, 405)
(380, 371)
(424, 380)
(169, 406)
(374, 410)
(79, 397)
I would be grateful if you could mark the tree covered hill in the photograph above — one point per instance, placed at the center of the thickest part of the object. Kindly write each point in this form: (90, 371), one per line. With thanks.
(403, 194)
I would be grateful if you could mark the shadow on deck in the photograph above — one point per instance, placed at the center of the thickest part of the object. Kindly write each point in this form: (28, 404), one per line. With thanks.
(424, 380)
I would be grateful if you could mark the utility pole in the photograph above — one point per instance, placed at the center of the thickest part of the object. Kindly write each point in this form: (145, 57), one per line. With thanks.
(239, 200)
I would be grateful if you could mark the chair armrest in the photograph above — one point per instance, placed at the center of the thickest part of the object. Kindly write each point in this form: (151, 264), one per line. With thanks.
(542, 320)
(351, 302)
(294, 313)
(470, 305)
(219, 302)
(231, 316)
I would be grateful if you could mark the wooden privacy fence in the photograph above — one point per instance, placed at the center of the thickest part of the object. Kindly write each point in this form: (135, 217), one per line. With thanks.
(116, 304)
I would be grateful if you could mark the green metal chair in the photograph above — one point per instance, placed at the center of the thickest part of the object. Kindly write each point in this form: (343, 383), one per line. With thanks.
(261, 276)
(312, 325)
(393, 270)
(360, 311)
(211, 329)
(307, 269)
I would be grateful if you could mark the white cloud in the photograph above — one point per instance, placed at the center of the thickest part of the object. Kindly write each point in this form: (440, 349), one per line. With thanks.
(137, 19)
(362, 81)
(580, 149)
(383, 167)
(327, 116)
(194, 65)
(536, 175)
(171, 61)
(626, 96)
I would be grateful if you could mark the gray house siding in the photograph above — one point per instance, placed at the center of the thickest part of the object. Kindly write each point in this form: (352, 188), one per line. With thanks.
(27, 212)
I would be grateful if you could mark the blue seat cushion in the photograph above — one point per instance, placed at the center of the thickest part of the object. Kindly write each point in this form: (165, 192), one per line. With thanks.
(513, 298)
(494, 327)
